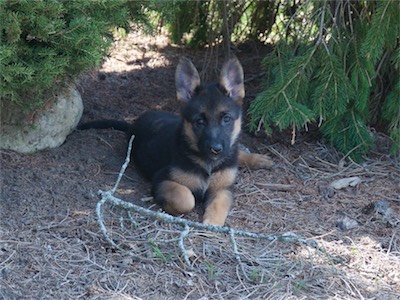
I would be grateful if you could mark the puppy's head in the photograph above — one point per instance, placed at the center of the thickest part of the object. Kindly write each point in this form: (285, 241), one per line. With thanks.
(212, 112)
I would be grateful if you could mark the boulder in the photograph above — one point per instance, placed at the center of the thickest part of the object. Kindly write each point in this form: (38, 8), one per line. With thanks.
(47, 128)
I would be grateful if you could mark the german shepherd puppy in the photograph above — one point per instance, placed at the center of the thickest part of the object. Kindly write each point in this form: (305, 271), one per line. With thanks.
(193, 158)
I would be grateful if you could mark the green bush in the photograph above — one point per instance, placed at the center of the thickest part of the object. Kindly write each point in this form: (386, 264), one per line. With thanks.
(336, 64)
(46, 43)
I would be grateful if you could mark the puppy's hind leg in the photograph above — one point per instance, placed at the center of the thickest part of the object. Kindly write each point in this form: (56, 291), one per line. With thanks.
(254, 161)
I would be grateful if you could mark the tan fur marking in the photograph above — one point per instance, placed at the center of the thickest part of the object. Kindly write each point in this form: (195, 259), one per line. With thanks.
(188, 130)
(222, 179)
(254, 161)
(178, 198)
(221, 198)
(217, 210)
(237, 127)
(190, 180)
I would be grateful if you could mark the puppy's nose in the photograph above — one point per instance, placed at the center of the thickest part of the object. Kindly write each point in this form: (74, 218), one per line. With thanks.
(216, 148)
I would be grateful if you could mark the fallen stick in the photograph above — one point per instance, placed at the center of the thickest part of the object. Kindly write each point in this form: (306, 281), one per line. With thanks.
(277, 186)
(345, 182)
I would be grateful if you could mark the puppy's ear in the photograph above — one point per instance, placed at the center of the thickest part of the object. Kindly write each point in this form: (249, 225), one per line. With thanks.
(232, 79)
(187, 79)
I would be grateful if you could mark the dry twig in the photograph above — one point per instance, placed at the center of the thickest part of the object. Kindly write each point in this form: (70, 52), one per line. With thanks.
(277, 186)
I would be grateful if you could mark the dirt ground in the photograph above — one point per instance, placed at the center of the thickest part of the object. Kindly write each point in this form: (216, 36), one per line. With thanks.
(51, 246)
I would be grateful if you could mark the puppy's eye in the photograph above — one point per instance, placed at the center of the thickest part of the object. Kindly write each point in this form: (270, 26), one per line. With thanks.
(226, 119)
(200, 122)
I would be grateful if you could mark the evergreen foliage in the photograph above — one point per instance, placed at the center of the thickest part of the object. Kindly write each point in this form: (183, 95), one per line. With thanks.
(197, 23)
(46, 43)
(186, 17)
(337, 65)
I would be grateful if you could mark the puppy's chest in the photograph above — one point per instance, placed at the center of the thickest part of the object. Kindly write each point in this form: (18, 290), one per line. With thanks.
(199, 184)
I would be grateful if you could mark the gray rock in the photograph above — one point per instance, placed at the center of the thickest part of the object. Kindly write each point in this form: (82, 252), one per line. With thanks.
(49, 128)
(383, 207)
(344, 222)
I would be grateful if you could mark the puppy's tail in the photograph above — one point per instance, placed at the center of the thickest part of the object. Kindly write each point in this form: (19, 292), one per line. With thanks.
(106, 124)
